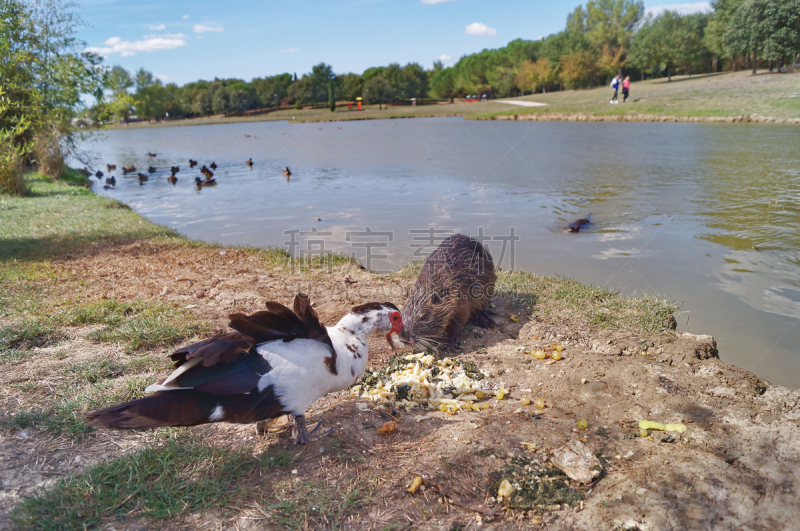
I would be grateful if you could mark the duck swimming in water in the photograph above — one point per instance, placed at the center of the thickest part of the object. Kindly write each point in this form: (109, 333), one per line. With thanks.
(208, 182)
(287, 172)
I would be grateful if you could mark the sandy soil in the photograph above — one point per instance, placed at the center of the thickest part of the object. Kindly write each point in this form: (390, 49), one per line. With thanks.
(737, 466)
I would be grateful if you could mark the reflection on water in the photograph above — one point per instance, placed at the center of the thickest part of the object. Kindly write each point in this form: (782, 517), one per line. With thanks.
(704, 214)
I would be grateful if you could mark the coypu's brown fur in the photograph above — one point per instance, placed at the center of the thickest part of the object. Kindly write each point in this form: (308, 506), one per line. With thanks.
(453, 288)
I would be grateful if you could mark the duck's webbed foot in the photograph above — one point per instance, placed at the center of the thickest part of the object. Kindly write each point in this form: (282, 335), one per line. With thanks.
(303, 436)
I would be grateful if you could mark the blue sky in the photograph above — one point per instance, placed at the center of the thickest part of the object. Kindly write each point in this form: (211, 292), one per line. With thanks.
(183, 41)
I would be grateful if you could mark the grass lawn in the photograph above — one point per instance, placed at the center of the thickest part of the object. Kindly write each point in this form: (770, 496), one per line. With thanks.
(727, 94)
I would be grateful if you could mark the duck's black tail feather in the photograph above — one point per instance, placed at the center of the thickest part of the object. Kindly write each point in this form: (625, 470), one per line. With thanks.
(187, 407)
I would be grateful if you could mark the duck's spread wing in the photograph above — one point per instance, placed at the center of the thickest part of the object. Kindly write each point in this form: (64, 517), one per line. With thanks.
(274, 323)
(277, 322)
(315, 329)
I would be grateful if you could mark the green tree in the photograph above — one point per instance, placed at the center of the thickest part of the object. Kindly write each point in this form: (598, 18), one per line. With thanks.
(412, 82)
(609, 26)
(305, 91)
(713, 36)
(118, 81)
(44, 72)
(271, 88)
(351, 86)
(378, 90)
(770, 28)
(150, 97)
(443, 84)
(657, 45)
(220, 98)
(692, 50)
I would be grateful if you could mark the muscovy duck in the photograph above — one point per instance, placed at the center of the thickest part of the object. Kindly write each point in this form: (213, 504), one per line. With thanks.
(277, 361)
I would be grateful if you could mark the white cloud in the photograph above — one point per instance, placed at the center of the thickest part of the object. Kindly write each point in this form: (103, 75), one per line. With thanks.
(541, 37)
(444, 57)
(682, 9)
(480, 30)
(290, 50)
(431, 2)
(148, 44)
(159, 27)
(202, 28)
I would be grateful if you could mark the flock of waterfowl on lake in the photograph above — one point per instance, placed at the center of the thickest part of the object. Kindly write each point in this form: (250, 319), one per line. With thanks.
(207, 178)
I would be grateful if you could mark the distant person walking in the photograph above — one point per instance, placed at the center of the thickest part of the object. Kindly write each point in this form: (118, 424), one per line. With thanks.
(615, 85)
(626, 85)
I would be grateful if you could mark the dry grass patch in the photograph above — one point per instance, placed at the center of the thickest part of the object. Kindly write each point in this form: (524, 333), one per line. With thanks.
(180, 477)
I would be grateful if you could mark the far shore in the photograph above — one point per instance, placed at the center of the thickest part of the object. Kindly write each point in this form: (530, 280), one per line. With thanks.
(730, 97)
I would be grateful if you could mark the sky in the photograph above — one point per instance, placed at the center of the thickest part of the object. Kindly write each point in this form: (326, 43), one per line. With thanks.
(183, 41)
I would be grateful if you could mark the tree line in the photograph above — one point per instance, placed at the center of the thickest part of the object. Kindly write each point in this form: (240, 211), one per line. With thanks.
(601, 39)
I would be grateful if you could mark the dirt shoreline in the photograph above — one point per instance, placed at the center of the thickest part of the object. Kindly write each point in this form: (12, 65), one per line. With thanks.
(583, 117)
(736, 466)
(542, 116)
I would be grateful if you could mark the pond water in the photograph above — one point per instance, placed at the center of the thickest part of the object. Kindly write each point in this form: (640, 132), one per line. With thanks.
(704, 214)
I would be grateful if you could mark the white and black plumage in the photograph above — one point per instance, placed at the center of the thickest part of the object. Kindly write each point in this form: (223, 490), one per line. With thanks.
(277, 361)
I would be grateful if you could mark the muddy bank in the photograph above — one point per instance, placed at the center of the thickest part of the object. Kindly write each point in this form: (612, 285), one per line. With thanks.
(737, 465)
(582, 117)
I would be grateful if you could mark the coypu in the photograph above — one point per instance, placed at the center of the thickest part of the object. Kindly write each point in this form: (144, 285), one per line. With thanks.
(453, 288)
(577, 225)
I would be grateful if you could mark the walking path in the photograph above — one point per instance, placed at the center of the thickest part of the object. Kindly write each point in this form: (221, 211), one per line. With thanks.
(523, 103)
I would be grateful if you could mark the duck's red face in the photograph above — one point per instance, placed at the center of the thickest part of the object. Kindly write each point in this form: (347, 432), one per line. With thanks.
(397, 322)
(397, 326)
